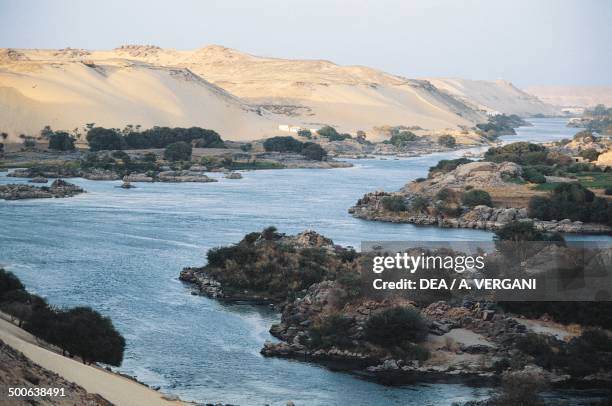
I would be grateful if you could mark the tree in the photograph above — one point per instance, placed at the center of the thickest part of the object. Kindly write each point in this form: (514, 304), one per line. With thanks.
(395, 326)
(313, 151)
(104, 139)
(304, 133)
(178, 151)
(522, 153)
(283, 144)
(394, 203)
(477, 197)
(9, 282)
(447, 140)
(86, 333)
(515, 239)
(402, 138)
(331, 134)
(589, 154)
(61, 141)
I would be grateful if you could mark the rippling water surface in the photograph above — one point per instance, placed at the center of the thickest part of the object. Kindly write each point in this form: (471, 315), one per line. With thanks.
(121, 251)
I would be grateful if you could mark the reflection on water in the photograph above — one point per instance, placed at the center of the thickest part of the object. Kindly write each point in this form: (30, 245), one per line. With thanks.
(120, 251)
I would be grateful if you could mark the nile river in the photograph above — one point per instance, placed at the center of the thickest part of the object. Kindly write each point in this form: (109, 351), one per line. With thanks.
(120, 251)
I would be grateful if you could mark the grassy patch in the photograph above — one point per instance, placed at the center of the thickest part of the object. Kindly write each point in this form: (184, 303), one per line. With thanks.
(546, 186)
(255, 165)
(595, 180)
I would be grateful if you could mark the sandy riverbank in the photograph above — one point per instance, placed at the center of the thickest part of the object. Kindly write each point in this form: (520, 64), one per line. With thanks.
(113, 387)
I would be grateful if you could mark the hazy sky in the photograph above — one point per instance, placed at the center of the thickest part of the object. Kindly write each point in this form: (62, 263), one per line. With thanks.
(525, 41)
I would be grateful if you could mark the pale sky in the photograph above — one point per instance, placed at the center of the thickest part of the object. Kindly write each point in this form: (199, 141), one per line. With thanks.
(528, 42)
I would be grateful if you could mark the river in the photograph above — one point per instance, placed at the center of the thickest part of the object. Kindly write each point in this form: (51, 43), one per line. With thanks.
(120, 251)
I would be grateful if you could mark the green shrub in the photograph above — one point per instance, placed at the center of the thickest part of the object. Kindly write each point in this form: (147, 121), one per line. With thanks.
(447, 140)
(283, 144)
(305, 133)
(313, 151)
(447, 165)
(104, 139)
(331, 331)
(522, 153)
(532, 175)
(331, 134)
(402, 138)
(477, 197)
(179, 151)
(61, 141)
(608, 191)
(444, 194)
(572, 201)
(394, 203)
(395, 326)
(419, 203)
(590, 154)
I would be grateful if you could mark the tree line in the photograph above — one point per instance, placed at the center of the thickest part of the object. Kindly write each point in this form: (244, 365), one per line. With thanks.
(79, 331)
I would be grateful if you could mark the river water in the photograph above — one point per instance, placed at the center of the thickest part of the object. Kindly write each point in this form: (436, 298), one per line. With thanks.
(120, 251)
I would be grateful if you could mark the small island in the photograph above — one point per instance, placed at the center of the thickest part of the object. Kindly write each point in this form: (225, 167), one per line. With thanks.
(59, 189)
(330, 317)
(516, 182)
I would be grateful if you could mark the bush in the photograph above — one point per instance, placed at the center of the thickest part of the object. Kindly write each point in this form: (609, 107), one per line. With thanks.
(395, 326)
(522, 153)
(402, 138)
(394, 203)
(447, 165)
(161, 137)
(104, 139)
(590, 154)
(179, 151)
(532, 175)
(608, 191)
(331, 331)
(305, 133)
(418, 204)
(477, 197)
(61, 141)
(570, 201)
(9, 282)
(283, 144)
(444, 195)
(447, 140)
(313, 151)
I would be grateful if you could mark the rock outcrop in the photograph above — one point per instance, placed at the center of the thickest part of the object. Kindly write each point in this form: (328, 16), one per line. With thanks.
(59, 188)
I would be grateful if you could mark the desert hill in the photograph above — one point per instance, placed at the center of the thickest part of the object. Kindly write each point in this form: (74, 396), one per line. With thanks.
(241, 96)
(494, 96)
(573, 96)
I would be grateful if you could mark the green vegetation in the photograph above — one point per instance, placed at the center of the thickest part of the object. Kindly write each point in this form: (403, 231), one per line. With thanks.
(571, 201)
(477, 197)
(178, 151)
(309, 150)
(313, 151)
(396, 326)
(104, 139)
(401, 138)
(532, 175)
(331, 134)
(268, 264)
(305, 133)
(78, 331)
(100, 138)
(61, 141)
(589, 154)
(447, 165)
(331, 331)
(447, 140)
(522, 153)
(500, 124)
(394, 203)
(283, 144)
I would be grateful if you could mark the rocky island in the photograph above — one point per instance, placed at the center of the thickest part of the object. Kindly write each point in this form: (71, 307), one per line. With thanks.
(517, 182)
(59, 188)
(330, 317)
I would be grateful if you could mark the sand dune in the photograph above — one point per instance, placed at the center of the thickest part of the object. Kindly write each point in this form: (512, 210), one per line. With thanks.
(497, 96)
(573, 96)
(241, 96)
